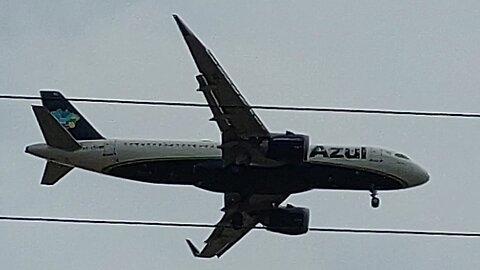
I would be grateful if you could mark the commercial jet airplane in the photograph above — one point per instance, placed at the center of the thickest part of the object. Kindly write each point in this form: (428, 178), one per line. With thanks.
(254, 168)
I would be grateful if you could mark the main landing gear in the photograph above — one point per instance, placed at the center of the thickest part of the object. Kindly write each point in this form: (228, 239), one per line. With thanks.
(375, 202)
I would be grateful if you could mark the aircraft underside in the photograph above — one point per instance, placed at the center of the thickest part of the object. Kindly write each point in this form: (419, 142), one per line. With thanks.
(210, 175)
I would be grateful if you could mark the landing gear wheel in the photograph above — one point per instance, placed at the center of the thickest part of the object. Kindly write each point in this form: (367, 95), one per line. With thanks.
(375, 202)
(237, 221)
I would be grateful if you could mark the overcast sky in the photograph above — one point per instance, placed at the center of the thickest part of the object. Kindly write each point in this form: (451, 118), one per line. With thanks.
(405, 55)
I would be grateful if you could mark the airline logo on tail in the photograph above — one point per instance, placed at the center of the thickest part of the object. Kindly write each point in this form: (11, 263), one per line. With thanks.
(66, 118)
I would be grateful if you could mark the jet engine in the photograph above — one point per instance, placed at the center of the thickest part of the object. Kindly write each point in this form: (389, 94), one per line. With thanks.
(287, 220)
(289, 147)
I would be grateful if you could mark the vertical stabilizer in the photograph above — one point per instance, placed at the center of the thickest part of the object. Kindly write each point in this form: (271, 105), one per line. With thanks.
(55, 135)
(54, 172)
(69, 116)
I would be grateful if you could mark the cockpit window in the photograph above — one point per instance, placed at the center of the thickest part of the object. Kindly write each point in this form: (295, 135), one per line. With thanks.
(401, 156)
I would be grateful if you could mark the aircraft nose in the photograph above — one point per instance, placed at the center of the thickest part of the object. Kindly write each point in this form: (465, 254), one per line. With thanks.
(422, 176)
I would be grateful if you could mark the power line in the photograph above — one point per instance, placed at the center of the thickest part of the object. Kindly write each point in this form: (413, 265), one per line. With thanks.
(204, 225)
(260, 107)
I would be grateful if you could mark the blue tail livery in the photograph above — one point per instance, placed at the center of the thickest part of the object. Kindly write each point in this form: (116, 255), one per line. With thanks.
(68, 116)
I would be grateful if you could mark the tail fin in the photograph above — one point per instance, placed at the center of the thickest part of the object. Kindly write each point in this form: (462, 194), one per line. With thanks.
(55, 135)
(54, 172)
(68, 116)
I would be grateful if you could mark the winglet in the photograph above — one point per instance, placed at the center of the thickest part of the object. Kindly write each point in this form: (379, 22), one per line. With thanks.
(192, 248)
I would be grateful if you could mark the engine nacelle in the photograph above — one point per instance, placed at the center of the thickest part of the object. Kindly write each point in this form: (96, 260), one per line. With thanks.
(290, 148)
(288, 220)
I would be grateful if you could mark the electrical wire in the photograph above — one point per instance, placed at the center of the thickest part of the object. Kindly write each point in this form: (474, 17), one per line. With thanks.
(204, 225)
(260, 107)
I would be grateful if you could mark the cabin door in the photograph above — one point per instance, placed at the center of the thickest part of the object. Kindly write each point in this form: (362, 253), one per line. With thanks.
(109, 149)
(376, 155)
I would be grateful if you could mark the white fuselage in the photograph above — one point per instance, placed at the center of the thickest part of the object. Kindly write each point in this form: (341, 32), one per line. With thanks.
(103, 155)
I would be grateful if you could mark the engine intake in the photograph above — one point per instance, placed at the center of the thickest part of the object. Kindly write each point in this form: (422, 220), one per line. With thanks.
(288, 220)
(289, 147)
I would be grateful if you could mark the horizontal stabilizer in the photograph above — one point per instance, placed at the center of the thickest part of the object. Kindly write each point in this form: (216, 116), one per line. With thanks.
(55, 135)
(54, 172)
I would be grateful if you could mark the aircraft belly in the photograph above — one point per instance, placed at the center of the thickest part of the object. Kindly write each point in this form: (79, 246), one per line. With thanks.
(155, 171)
(335, 176)
(248, 180)
(209, 174)
(290, 178)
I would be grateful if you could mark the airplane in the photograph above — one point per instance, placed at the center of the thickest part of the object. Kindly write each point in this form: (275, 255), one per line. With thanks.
(254, 168)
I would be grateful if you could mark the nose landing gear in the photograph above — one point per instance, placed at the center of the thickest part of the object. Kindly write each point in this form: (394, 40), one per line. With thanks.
(375, 202)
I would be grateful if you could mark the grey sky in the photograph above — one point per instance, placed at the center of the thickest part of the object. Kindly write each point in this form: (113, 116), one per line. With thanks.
(365, 54)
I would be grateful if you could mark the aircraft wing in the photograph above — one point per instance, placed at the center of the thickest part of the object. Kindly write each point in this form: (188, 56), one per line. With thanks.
(225, 234)
(234, 116)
